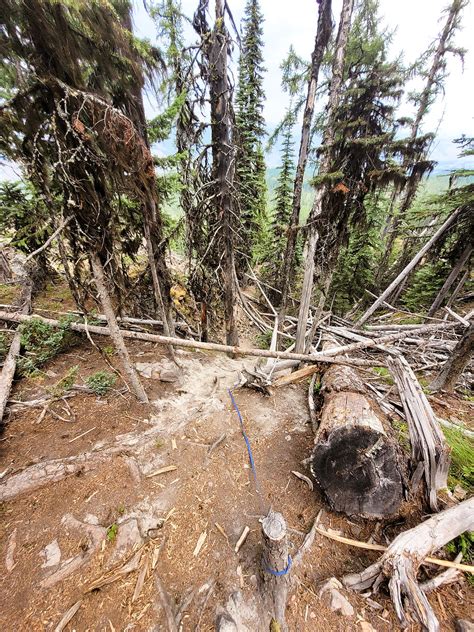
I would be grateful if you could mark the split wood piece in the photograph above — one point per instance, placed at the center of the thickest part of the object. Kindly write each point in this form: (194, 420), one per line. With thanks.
(403, 557)
(355, 459)
(68, 616)
(275, 559)
(408, 268)
(194, 344)
(428, 443)
(9, 366)
(115, 332)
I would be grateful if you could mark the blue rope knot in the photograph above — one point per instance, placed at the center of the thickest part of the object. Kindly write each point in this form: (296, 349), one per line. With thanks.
(283, 572)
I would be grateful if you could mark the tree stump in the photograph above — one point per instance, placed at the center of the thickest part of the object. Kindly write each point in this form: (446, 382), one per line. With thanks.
(276, 564)
(355, 461)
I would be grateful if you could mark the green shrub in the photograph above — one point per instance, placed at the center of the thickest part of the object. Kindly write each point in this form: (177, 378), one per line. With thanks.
(101, 382)
(3, 346)
(464, 544)
(462, 459)
(41, 342)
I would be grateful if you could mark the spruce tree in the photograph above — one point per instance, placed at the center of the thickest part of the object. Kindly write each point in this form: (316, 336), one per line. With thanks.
(250, 127)
(282, 203)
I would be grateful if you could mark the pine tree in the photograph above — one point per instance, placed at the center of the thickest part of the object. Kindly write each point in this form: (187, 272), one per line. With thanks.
(282, 203)
(250, 127)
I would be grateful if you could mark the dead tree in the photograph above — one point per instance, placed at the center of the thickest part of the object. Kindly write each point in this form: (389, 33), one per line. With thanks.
(115, 333)
(400, 563)
(322, 38)
(408, 268)
(355, 459)
(9, 366)
(451, 372)
(453, 275)
(325, 166)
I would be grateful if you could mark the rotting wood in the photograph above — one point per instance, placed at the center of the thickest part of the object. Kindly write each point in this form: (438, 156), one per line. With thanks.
(456, 363)
(275, 559)
(428, 443)
(403, 557)
(355, 459)
(194, 344)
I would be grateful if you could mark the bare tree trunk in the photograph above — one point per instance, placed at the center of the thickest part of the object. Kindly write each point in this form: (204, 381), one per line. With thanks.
(322, 37)
(453, 275)
(459, 287)
(456, 363)
(328, 139)
(223, 167)
(275, 566)
(9, 366)
(406, 271)
(115, 333)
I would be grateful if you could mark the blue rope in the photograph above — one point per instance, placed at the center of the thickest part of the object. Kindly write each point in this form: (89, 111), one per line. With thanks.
(249, 449)
(283, 572)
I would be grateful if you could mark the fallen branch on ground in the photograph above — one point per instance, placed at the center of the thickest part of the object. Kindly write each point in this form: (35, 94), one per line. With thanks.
(401, 561)
(194, 344)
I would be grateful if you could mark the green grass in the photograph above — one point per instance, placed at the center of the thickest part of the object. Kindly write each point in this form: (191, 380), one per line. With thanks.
(461, 471)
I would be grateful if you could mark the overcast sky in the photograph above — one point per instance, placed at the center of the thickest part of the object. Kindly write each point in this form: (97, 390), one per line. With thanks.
(416, 23)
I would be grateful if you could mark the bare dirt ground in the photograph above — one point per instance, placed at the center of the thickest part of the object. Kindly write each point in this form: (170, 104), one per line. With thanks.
(54, 538)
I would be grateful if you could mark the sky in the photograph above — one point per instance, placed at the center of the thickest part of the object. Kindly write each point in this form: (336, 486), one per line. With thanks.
(416, 24)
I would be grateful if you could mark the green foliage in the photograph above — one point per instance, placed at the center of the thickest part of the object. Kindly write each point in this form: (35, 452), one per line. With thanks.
(101, 382)
(65, 383)
(263, 339)
(464, 544)
(42, 342)
(4, 346)
(250, 127)
(426, 283)
(462, 459)
(112, 532)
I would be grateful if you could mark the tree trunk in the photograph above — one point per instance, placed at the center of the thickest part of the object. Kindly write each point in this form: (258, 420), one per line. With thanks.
(9, 366)
(405, 554)
(408, 268)
(322, 37)
(454, 366)
(223, 163)
(275, 565)
(115, 332)
(459, 287)
(325, 167)
(450, 280)
(355, 461)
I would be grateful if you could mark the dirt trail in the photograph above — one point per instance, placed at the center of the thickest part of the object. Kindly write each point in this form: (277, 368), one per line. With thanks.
(60, 546)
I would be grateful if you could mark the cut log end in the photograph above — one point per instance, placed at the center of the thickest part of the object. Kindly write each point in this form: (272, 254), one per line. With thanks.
(357, 468)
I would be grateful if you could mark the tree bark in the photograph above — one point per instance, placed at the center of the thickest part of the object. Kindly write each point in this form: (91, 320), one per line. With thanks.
(275, 559)
(403, 557)
(453, 275)
(325, 167)
(115, 332)
(408, 268)
(322, 38)
(355, 461)
(452, 370)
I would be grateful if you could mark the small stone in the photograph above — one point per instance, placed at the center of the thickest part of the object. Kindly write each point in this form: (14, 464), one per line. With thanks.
(337, 601)
(52, 555)
(463, 625)
(366, 627)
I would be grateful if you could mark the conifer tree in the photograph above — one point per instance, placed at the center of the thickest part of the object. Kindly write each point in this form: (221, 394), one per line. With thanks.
(282, 203)
(250, 127)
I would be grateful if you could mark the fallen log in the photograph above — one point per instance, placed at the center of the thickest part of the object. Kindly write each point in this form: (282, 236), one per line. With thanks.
(403, 557)
(355, 459)
(194, 344)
